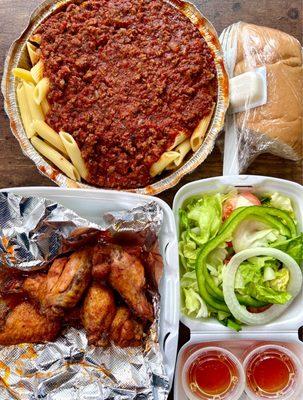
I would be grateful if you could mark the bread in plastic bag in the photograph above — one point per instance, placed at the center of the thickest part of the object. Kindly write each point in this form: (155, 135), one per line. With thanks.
(276, 126)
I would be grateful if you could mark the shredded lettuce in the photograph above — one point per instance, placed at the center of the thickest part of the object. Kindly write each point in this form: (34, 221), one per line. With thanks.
(215, 263)
(269, 274)
(193, 305)
(200, 221)
(205, 214)
(252, 233)
(281, 280)
(282, 202)
(251, 280)
(293, 247)
(267, 294)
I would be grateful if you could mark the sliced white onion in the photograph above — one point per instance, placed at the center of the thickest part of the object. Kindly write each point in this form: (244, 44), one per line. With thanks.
(240, 312)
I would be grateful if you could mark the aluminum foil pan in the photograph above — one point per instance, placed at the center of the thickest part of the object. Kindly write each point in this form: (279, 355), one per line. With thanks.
(69, 369)
(17, 56)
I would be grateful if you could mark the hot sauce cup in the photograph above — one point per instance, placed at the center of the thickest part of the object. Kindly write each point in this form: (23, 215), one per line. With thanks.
(213, 373)
(273, 372)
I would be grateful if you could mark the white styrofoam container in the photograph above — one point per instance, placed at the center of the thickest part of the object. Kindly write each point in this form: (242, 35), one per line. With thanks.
(285, 328)
(92, 204)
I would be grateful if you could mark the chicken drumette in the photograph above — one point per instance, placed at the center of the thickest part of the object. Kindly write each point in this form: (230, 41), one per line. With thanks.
(126, 275)
(98, 312)
(24, 324)
(125, 330)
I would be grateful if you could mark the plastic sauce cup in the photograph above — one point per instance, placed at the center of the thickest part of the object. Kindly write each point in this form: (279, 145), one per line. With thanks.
(273, 372)
(213, 373)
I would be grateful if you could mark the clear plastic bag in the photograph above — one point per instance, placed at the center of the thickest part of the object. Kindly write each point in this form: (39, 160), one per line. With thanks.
(268, 117)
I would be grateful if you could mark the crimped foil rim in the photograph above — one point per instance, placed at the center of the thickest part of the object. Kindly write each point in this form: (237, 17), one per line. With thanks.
(8, 87)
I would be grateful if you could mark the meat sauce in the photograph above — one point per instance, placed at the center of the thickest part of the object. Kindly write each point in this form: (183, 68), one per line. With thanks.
(126, 77)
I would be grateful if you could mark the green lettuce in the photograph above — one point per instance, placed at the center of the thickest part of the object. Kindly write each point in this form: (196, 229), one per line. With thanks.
(200, 221)
(293, 247)
(206, 215)
(215, 263)
(251, 280)
(252, 233)
(193, 305)
(267, 294)
(281, 280)
(277, 200)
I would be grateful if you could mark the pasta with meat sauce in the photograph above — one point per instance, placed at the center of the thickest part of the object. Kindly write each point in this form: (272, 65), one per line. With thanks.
(129, 80)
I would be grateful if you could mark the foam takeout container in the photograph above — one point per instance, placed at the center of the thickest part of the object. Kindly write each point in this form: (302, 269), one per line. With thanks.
(92, 204)
(209, 332)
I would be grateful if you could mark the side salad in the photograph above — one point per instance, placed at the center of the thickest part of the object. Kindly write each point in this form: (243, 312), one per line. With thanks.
(240, 257)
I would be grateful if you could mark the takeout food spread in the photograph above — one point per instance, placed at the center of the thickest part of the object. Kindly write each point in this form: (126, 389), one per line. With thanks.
(131, 95)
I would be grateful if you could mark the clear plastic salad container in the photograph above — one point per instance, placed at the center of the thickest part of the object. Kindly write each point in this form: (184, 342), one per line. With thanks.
(208, 331)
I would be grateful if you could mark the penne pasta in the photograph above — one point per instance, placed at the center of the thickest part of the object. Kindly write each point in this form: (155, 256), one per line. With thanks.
(45, 106)
(33, 52)
(36, 39)
(49, 135)
(183, 149)
(23, 74)
(74, 153)
(25, 111)
(35, 109)
(37, 71)
(56, 158)
(41, 90)
(166, 159)
(179, 139)
(198, 135)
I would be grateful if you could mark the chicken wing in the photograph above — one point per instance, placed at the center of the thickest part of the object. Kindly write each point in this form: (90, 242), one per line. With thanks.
(10, 281)
(35, 287)
(98, 313)
(24, 324)
(67, 279)
(101, 262)
(128, 278)
(125, 331)
(4, 311)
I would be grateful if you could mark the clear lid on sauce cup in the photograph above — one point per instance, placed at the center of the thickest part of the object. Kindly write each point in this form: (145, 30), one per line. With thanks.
(213, 373)
(273, 372)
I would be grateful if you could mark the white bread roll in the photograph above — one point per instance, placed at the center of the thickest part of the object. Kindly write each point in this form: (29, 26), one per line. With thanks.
(276, 126)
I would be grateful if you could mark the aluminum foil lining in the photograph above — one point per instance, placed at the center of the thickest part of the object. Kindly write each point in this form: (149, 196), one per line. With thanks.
(17, 57)
(33, 231)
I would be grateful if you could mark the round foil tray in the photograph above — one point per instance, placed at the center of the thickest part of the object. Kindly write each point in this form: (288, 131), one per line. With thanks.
(17, 56)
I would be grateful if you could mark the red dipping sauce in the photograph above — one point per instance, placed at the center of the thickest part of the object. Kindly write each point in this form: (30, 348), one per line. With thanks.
(212, 373)
(271, 373)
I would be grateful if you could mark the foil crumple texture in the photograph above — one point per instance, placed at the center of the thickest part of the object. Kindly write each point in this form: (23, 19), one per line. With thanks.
(32, 232)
